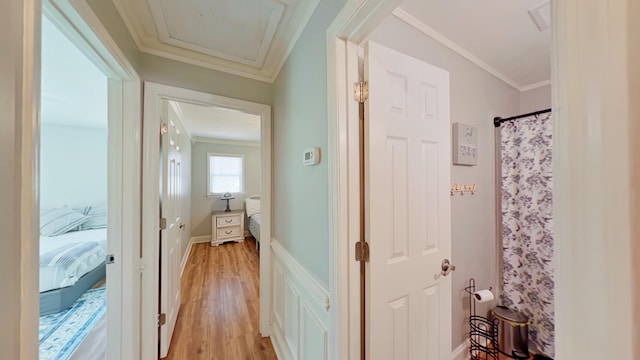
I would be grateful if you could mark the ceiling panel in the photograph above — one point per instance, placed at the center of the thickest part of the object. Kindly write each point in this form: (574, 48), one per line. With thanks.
(207, 27)
(251, 38)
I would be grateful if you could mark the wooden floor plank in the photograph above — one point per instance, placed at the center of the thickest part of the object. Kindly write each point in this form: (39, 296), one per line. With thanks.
(219, 315)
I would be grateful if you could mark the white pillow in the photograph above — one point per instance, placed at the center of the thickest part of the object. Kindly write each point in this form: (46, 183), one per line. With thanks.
(253, 206)
(97, 218)
(59, 221)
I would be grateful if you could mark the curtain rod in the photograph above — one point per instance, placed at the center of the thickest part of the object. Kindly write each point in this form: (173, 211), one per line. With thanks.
(497, 121)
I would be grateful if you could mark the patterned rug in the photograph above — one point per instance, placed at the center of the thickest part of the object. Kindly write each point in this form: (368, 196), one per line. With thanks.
(62, 333)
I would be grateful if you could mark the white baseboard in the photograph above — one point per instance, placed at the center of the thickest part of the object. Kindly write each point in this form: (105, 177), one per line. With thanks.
(193, 240)
(301, 313)
(461, 352)
(185, 257)
(201, 239)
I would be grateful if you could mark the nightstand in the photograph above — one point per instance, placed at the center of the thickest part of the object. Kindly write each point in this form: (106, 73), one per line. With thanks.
(227, 226)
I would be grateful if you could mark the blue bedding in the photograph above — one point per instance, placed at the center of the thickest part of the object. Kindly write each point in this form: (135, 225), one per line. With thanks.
(254, 226)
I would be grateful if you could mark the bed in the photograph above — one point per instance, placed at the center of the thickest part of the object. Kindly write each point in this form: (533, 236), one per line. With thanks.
(72, 257)
(252, 208)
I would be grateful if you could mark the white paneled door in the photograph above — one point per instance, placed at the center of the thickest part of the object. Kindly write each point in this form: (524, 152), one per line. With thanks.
(408, 217)
(171, 210)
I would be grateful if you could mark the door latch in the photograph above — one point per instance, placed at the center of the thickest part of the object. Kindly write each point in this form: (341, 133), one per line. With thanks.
(110, 259)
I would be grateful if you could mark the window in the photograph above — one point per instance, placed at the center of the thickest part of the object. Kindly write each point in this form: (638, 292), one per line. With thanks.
(225, 174)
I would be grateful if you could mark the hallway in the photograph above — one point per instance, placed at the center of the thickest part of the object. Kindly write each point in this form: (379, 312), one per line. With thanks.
(219, 313)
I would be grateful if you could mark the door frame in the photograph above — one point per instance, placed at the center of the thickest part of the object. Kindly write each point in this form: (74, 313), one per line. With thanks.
(154, 94)
(352, 25)
(76, 19)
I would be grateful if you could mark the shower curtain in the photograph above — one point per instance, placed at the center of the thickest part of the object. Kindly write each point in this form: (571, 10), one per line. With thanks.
(527, 223)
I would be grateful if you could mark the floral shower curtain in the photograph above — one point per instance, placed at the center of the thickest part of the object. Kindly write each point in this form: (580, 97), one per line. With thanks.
(527, 222)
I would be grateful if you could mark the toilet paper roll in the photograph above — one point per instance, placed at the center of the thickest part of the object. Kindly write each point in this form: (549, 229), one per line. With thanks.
(483, 295)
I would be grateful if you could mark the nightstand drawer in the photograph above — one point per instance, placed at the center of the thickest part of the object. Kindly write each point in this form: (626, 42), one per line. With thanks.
(228, 232)
(228, 220)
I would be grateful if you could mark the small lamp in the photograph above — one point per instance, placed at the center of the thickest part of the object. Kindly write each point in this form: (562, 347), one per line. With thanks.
(227, 196)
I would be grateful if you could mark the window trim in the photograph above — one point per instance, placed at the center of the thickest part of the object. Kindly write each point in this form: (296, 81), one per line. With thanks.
(242, 180)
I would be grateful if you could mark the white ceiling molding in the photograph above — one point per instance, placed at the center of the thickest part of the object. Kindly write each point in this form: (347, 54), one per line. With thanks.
(249, 38)
(435, 35)
(199, 139)
(536, 85)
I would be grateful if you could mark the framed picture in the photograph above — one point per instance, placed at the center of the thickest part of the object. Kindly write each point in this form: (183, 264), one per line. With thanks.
(465, 145)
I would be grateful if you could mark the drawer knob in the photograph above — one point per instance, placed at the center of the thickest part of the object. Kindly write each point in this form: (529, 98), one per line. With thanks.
(228, 232)
(228, 220)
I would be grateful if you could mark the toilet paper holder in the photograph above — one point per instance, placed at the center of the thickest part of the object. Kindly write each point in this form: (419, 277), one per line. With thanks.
(483, 332)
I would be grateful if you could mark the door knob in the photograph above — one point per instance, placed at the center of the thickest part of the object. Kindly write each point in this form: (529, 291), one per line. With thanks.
(447, 267)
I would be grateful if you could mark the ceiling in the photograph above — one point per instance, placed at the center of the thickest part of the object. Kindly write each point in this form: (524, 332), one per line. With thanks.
(251, 38)
(498, 35)
(210, 122)
(74, 90)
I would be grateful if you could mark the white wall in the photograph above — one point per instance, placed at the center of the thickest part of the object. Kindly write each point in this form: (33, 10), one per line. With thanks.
(476, 97)
(535, 99)
(201, 205)
(301, 193)
(73, 166)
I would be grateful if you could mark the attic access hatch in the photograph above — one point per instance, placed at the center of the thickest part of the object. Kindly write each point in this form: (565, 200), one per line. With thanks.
(236, 30)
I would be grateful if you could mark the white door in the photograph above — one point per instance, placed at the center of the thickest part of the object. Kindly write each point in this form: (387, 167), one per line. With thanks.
(408, 221)
(170, 237)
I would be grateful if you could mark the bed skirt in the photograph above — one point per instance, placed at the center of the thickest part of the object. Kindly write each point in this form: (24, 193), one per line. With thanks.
(54, 301)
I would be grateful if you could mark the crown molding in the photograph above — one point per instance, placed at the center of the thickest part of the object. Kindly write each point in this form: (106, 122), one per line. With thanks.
(206, 140)
(435, 35)
(275, 58)
(535, 85)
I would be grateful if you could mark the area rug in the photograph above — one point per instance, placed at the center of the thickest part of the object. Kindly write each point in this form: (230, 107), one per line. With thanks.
(62, 333)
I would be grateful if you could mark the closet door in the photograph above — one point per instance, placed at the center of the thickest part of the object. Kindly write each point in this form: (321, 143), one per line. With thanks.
(171, 210)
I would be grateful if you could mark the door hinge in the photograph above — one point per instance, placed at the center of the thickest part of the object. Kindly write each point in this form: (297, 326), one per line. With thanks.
(164, 128)
(110, 259)
(162, 319)
(362, 251)
(361, 91)
(163, 223)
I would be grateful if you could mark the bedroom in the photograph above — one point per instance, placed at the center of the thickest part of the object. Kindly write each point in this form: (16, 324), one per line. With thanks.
(73, 202)
(220, 210)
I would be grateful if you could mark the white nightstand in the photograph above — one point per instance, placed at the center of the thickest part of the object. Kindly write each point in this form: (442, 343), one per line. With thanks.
(227, 226)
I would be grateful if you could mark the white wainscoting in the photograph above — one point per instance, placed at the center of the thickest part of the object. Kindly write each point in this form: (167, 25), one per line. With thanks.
(301, 318)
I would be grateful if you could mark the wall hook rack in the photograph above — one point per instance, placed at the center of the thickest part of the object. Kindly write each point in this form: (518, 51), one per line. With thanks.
(463, 188)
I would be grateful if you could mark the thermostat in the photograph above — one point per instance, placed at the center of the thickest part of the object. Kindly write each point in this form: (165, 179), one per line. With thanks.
(311, 157)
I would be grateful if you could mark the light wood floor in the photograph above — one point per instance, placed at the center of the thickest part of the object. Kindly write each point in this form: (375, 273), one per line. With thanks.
(219, 314)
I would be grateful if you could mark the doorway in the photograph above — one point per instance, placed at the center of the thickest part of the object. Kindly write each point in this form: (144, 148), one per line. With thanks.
(386, 27)
(73, 201)
(164, 107)
(90, 158)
